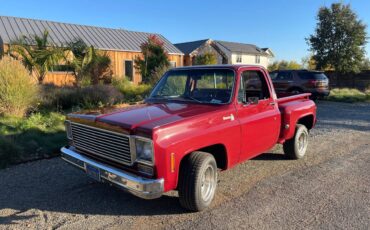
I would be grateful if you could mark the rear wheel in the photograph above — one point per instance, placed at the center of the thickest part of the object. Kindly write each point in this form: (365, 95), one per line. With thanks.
(296, 147)
(197, 181)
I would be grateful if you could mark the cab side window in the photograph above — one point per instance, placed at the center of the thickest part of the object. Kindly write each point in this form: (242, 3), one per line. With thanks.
(253, 84)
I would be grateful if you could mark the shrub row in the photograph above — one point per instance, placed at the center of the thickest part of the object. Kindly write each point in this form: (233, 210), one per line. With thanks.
(66, 98)
(130, 91)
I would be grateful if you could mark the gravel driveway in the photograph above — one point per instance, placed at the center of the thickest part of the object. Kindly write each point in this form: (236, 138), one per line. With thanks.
(328, 189)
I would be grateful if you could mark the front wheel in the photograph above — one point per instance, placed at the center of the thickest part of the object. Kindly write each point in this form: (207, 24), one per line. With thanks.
(197, 181)
(296, 147)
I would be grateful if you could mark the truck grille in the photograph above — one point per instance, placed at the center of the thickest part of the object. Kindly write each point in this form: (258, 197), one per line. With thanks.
(102, 143)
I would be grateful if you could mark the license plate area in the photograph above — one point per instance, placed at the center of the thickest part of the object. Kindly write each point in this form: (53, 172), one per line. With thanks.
(92, 172)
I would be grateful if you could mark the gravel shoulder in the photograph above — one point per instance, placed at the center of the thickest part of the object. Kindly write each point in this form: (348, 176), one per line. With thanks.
(330, 188)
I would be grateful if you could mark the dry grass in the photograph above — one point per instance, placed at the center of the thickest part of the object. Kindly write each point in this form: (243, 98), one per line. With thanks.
(349, 95)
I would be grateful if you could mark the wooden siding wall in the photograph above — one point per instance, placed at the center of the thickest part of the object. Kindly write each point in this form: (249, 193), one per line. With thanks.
(59, 78)
(118, 58)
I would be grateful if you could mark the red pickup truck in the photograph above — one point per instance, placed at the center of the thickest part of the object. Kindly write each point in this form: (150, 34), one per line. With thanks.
(197, 121)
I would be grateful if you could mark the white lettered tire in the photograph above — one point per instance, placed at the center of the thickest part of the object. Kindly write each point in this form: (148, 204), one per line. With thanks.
(296, 147)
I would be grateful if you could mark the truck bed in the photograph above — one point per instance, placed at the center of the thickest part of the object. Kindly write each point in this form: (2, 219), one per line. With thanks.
(291, 109)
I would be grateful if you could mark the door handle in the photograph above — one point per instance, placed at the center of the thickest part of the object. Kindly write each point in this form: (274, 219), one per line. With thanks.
(231, 117)
(272, 103)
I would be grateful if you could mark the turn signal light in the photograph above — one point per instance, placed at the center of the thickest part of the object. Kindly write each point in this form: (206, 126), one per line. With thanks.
(172, 162)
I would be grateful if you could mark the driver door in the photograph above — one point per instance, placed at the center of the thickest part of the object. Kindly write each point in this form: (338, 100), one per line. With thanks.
(258, 114)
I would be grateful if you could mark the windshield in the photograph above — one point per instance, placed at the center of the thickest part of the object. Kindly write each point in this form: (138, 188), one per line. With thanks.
(198, 85)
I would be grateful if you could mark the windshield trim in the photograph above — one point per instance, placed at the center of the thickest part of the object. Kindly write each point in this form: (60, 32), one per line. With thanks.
(151, 98)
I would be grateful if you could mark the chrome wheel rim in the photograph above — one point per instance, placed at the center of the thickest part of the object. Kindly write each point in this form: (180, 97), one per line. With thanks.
(208, 185)
(302, 143)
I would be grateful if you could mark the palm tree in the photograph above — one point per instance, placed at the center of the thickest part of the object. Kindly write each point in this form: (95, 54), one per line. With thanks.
(37, 54)
(87, 61)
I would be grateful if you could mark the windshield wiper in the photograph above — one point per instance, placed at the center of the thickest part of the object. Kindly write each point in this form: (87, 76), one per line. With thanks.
(192, 98)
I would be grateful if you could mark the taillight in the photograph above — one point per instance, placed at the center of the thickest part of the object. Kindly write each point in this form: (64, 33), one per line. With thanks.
(312, 82)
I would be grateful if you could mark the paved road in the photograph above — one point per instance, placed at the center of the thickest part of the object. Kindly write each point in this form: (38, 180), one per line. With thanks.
(329, 189)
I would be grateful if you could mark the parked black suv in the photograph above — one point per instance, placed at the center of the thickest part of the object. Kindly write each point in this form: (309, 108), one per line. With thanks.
(301, 81)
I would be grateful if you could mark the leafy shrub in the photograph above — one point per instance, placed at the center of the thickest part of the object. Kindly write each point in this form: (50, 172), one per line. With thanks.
(157, 73)
(99, 96)
(28, 138)
(154, 55)
(207, 58)
(347, 95)
(130, 91)
(17, 89)
(64, 98)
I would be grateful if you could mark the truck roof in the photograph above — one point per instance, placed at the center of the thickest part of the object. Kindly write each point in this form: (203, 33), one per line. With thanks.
(228, 66)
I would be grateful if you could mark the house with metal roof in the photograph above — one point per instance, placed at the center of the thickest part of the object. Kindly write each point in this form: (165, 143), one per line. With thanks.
(226, 52)
(121, 45)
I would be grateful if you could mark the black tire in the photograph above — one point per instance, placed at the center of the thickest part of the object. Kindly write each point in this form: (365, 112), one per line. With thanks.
(294, 148)
(193, 170)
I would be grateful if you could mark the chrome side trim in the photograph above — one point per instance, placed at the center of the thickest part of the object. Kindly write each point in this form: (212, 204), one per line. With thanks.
(136, 185)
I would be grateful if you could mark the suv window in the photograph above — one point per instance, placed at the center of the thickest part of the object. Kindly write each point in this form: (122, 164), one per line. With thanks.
(284, 76)
(312, 75)
(253, 84)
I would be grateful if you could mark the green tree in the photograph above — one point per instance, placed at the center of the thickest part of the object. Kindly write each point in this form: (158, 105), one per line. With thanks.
(274, 66)
(207, 58)
(88, 63)
(154, 57)
(294, 65)
(308, 63)
(339, 39)
(37, 54)
(99, 68)
(284, 65)
(365, 65)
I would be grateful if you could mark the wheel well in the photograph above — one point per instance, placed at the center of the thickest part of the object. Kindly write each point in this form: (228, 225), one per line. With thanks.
(306, 121)
(218, 151)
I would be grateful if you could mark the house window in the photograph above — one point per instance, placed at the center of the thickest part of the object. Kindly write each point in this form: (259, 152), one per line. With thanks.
(129, 70)
(258, 59)
(239, 58)
(172, 64)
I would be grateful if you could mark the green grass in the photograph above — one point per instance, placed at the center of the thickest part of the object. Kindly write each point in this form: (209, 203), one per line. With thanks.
(39, 135)
(349, 95)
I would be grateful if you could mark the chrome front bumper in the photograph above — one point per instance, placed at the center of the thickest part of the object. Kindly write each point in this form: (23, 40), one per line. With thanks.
(138, 186)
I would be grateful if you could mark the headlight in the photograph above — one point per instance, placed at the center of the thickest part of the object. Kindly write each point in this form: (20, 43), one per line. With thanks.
(144, 150)
(68, 129)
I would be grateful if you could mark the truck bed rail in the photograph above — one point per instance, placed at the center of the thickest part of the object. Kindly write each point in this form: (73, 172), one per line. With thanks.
(294, 97)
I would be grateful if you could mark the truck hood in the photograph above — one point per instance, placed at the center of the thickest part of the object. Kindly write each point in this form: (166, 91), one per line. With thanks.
(146, 116)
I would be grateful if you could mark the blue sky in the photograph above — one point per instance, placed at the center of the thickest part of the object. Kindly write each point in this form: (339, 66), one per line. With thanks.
(281, 25)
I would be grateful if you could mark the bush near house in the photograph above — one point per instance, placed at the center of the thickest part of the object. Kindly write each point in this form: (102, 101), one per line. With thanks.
(131, 92)
(18, 92)
(154, 56)
(206, 59)
(75, 98)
